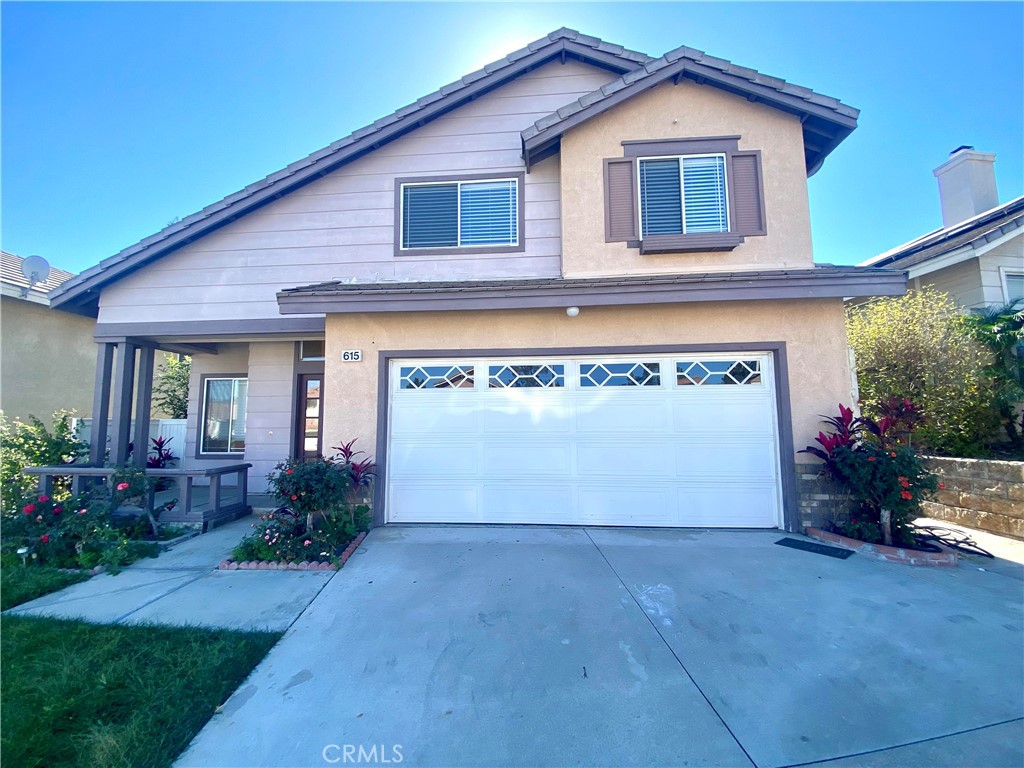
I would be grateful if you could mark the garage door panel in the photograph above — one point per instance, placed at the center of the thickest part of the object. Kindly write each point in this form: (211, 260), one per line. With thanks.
(624, 459)
(632, 504)
(535, 416)
(535, 503)
(439, 418)
(728, 505)
(621, 415)
(527, 458)
(722, 414)
(750, 460)
(431, 459)
(419, 503)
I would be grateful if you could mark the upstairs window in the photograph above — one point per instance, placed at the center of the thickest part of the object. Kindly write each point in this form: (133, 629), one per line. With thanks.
(459, 214)
(683, 195)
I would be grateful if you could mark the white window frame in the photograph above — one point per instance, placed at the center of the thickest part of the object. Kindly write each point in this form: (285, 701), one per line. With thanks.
(203, 450)
(1004, 273)
(682, 192)
(458, 213)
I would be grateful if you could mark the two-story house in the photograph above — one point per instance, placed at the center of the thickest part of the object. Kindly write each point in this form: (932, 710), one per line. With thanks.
(575, 286)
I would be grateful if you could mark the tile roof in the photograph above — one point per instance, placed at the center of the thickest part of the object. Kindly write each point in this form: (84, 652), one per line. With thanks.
(986, 226)
(399, 121)
(700, 66)
(10, 274)
(340, 287)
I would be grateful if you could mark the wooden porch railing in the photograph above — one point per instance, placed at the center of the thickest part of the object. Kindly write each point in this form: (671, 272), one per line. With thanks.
(190, 508)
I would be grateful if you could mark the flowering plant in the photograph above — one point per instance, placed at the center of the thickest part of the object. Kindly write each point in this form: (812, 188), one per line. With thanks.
(875, 463)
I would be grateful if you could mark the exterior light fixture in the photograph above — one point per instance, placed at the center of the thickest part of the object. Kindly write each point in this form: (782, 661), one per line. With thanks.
(572, 311)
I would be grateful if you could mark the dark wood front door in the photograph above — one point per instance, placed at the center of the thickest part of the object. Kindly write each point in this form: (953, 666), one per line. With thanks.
(309, 422)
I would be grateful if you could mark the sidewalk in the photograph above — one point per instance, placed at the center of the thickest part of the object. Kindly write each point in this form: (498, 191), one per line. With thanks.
(183, 587)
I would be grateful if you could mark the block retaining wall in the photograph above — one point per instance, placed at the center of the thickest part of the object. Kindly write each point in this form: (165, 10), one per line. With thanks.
(981, 494)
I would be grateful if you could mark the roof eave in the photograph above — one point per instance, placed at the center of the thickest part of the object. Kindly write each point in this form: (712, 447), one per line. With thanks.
(557, 294)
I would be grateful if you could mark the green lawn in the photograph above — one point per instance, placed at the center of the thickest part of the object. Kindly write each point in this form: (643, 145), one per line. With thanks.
(21, 583)
(77, 694)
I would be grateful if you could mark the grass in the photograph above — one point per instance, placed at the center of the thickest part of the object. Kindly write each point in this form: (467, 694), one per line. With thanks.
(21, 583)
(77, 694)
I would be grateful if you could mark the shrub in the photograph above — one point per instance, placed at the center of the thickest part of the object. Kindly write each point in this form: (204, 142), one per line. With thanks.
(31, 444)
(876, 464)
(1001, 330)
(920, 348)
(170, 387)
(320, 512)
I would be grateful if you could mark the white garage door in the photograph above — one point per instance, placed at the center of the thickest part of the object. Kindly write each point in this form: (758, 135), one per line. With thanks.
(646, 440)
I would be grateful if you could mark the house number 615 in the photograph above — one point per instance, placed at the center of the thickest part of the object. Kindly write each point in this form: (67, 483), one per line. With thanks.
(351, 355)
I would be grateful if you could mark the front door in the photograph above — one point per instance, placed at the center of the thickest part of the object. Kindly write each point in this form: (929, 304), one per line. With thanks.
(309, 426)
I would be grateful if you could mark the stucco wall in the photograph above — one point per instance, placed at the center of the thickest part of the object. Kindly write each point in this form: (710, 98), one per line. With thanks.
(47, 360)
(686, 110)
(813, 330)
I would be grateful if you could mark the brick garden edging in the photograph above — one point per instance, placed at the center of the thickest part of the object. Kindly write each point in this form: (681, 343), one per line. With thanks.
(947, 558)
(274, 565)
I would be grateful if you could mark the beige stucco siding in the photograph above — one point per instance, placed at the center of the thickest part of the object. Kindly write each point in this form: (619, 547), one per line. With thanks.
(341, 227)
(813, 330)
(684, 111)
(48, 360)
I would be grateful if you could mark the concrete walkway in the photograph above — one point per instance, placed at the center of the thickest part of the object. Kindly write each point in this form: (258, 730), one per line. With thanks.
(183, 587)
(506, 646)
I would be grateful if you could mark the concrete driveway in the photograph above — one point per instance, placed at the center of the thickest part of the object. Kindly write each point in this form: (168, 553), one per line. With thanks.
(487, 646)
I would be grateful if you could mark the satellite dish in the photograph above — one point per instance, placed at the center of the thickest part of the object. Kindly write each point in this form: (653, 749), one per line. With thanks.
(35, 269)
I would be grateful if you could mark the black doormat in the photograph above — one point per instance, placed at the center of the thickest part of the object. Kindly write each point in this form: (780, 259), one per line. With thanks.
(810, 546)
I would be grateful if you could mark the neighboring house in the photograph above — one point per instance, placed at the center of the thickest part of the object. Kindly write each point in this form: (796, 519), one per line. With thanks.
(47, 358)
(573, 287)
(977, 256)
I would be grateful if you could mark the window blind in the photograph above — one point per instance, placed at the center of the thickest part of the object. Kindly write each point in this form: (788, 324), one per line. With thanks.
(489, 213)
(704, 194)
(660, 200)
(430, 216)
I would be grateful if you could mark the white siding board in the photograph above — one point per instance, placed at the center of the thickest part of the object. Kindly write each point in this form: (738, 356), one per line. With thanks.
(342, 225)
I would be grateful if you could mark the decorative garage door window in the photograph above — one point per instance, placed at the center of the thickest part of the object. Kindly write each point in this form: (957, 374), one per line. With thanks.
(533, 376)
(701, 372)
(630, 374)
(436, 377)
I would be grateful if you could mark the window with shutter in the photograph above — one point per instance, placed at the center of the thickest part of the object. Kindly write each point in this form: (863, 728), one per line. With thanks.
(459, 214)
(684, 195)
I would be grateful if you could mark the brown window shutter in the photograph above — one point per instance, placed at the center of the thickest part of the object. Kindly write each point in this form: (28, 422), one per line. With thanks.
(747, 194)
(620, 200)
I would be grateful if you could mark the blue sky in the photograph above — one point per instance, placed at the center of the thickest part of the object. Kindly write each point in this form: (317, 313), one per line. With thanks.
(119, 117)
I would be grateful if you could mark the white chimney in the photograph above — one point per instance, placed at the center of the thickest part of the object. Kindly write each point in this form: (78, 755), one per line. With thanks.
(967, 185)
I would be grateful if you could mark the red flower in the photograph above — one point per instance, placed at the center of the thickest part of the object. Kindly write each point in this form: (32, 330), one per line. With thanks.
(28, 509)
(289, 471)
(44, 498)
(122, 486)
(871, 458)
(904, 482)
(45, 538)
(942, 486)
(893, 454)
(906, 495)
(294, 497)
(58, 510)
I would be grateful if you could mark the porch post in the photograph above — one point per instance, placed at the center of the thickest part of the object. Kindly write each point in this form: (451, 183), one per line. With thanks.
(124, 378)
(101, 404)
(143, 403)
